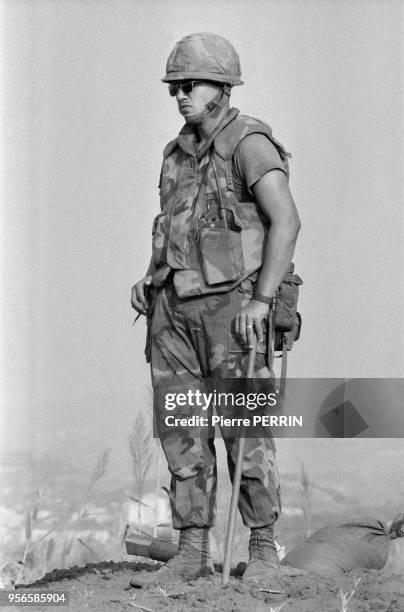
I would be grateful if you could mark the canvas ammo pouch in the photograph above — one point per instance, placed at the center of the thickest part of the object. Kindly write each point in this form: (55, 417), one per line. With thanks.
(287, 320)
(286, 305)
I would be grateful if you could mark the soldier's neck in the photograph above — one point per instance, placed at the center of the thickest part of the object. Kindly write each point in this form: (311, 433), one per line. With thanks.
(205, 129)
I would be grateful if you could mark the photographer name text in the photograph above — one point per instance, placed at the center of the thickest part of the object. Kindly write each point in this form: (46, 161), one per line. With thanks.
(267, 420)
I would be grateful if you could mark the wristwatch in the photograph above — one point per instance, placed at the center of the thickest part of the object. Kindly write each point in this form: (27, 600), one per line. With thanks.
(260, 297)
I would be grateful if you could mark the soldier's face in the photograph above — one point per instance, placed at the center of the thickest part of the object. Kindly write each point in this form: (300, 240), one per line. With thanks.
(191, 105)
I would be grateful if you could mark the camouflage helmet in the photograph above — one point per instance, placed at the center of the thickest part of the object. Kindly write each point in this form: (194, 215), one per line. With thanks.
(204, 55)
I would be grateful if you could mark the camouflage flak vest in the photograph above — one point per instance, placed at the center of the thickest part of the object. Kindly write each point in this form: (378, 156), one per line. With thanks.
(211, 235)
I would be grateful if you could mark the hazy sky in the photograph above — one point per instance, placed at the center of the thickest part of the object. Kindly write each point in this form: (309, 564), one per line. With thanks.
(84, 120)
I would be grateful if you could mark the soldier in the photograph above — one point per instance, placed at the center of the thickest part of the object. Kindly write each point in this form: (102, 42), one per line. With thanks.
(222, 243)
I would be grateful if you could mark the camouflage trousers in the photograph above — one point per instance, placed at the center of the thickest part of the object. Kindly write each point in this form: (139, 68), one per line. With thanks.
(193, 340)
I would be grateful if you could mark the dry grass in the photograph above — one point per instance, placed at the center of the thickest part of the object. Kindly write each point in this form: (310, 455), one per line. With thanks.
(84, 511)
(40, 553)
(85, 596)
(305, 497)
(345, 598)
(142, 453)
(99, 471)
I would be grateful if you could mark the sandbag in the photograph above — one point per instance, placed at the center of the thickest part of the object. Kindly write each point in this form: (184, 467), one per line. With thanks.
(358, 543)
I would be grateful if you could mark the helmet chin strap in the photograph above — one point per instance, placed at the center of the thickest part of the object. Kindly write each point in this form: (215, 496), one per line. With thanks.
(214, 107)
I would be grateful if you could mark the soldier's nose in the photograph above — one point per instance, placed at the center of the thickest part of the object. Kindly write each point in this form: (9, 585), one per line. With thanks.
(180, 94)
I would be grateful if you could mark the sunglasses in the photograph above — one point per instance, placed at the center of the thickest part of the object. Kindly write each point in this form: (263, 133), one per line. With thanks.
(186, 88)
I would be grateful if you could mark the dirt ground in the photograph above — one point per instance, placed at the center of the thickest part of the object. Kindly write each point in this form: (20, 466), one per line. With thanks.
(104, 586)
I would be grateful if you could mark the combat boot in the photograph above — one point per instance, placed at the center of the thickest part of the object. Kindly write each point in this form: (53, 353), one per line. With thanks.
(191, 561)
(263, 566)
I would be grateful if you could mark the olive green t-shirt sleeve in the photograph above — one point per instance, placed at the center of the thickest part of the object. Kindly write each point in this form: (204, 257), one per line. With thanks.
(254, 157)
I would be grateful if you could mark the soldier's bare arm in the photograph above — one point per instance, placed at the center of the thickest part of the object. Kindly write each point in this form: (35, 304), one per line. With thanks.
(276, 202)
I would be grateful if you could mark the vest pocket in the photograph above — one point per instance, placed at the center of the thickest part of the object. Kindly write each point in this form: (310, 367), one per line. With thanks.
(221, 249)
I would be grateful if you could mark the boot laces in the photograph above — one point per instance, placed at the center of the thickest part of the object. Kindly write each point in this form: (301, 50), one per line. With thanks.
(262, 546)
(257, 544)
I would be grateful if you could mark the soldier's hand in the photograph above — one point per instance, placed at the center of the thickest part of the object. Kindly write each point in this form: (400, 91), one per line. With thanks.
(138, 298)
(250, 321)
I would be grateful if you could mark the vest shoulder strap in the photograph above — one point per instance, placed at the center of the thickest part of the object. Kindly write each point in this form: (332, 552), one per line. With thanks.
(243, 125)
